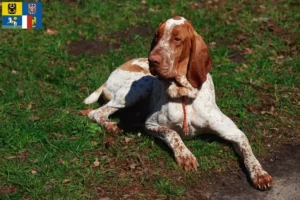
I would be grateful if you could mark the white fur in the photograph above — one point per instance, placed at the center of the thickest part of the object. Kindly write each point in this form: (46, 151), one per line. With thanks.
(174, 22)
(142, 62)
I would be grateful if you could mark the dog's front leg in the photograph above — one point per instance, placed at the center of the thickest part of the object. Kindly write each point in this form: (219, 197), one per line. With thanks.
(226, 129)
(184, 158)
(183, 89)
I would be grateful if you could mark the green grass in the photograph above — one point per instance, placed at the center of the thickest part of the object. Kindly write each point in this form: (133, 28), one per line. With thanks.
(47, 148)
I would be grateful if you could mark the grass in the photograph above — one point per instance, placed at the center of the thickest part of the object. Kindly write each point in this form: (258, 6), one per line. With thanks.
(49, 150)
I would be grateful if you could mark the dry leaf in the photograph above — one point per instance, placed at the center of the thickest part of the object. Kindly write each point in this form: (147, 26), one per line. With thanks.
(96, 163)
(132, 166)
(61, 161)
(58, 135)
(2, 91)
(85, 112)
(33, 172)
(40, 83)
(20, 92)
(34, 118)
(30, 105)
(71, 69)
(66, 181)
(127, 139)
(14, 72)
(133, 175)
(51, 31)
(248, 50)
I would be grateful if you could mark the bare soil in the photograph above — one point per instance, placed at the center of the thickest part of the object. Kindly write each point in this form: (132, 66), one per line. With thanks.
(283, 165)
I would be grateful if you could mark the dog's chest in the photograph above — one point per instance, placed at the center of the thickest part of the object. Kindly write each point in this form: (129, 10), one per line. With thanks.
(170, 111)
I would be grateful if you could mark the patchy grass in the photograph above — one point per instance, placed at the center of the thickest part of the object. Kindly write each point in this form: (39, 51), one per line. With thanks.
(49, 150)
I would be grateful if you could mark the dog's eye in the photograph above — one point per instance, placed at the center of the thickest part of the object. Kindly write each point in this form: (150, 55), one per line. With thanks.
(177, 38)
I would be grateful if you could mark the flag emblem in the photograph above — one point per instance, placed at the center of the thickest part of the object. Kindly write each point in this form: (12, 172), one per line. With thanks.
(31, 8)
(12, 8)
(22, 15)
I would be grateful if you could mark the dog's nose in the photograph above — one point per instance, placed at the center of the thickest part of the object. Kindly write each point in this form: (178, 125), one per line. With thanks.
(155, 59)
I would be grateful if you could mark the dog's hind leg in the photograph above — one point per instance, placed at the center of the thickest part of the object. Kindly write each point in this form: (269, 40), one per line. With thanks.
(101, 116)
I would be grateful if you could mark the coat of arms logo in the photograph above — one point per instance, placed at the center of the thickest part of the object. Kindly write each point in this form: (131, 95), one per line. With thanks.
(31, 8)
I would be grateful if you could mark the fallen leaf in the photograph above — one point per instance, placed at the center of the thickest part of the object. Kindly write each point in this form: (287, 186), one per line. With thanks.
(83, 88)
(2, 91)
(20, 92)
(66, 181)
(212, 44)
(263, 19)
(96, 163)
(112, 164)
(248, 50)
(71, 69)
(51, 31)
(111, 139)
(73, 137)
(132, 166)
(58, 135)
(85, 112)
(133, 175)
(61, 161)
(14, 72)
(30, 105)
(33, 172)
(127, 139)
(266, 112)
(34, 118)
(40, 83)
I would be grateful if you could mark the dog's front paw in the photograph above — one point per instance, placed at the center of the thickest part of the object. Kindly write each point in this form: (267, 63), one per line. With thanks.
(188, 92)
(187, 161)
(178, 92)
(262, 180)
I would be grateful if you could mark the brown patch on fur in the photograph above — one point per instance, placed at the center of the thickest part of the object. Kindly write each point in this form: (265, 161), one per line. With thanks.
(200, 62)
(128, 66)
(106, 95)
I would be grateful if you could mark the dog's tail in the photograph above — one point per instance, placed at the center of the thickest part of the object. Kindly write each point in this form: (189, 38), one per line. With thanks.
(95, 95)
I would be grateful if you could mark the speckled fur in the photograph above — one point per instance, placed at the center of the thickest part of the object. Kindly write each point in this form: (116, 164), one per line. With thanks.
(166, 119)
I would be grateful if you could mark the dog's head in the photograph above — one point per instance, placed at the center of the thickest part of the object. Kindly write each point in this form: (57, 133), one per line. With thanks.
(177, 49)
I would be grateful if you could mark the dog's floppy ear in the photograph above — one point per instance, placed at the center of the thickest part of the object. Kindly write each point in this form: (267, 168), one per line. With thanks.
(199, 62)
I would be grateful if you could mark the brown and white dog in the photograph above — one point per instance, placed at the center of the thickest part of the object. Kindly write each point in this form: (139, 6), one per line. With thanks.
(176, 71)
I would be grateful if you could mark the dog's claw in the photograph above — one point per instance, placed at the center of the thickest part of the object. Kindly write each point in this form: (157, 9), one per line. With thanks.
(263, 181)
(187, 162)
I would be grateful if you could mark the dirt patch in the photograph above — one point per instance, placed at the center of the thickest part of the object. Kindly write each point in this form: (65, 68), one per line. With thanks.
(90, 47)
(236, 56)
(7, 190)
(130, 33)
(105, 44)
(73, 3)
(283, 165)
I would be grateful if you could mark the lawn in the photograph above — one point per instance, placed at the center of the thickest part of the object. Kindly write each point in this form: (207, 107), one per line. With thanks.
(50, 150)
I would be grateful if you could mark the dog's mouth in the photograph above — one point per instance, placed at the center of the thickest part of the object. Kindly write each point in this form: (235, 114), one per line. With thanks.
(157, 70)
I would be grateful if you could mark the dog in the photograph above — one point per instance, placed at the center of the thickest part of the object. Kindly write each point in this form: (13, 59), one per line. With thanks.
(175, 78)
